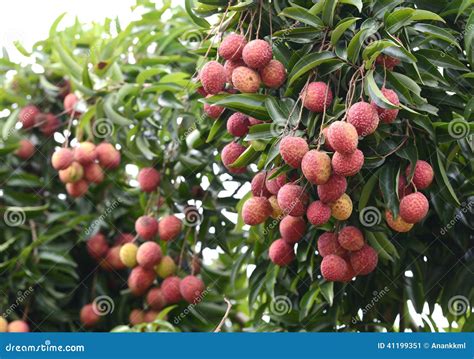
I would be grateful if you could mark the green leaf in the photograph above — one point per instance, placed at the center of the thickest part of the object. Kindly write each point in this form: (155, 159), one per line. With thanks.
(329, 8)
(367, 190)
(21, 49)
(9, 126)
(441, 175)
(442, 59)
(69, 63)
(341, 27)
(196, 19)
(307, 63)
(86, 78)
(357, 3)
(327, 290)
(246, 158)
(302, 15)
(113, 115)
(375, 93)
(388, 180)
(249, 104)
(373, 241)
(437, 32)
(218, 127)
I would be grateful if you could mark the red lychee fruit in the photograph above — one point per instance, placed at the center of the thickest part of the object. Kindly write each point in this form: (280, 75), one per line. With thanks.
(414, 207)
(403, 187)
(62, 158)
(136, 316)
(27, 116)
(89, 315)
(333, 189)
(26, 150)
(363, 117)
(387, 115)
(166, 267)
(213, 111)
(327, 144)
(257, 54)
(169, 228)
(107, 155)
(170, 289)
(423, 175)
(49, 123)
(70, 103)
(318, 213)
(146, 227)
(149, 254)
(316, 96)
(3, 325)
(232, 46)
(273, 185)
(351, 238)
(246, 80)
(85, 153)
(292, 150)
(347, 165)
(212, 77)
(281, 253)
(343, 137)
(191, 288)
(316, 167)
(229, 67)
(112, 260)
(273, 75)
(18, 326)
(155, 299)
(397, 224)
(293, 200)
(97, 246)
(71, 174)
(93, 173)
(334, 268)
(140, 279)
(349, 274)
(256, 210)
(387, 61)
(77, 189)
(292, 229)
(238, 124)
(229, 154)
(259, 188)
(328, 244)
(148, 179)
(364, 261)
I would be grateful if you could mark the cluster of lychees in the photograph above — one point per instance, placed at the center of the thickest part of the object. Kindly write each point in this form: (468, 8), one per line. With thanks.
(16, 326)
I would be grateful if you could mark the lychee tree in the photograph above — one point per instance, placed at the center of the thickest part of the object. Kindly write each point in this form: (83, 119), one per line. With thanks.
(353, 122)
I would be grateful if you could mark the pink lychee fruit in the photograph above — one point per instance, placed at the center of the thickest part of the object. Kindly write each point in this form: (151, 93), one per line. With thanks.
(232, 46)
(334, 268)
(333, 189)
(192, 288)
(213, 111)
(343, 137)
(148, 179)
(414, 207)
(273, 75)
(397, 224)
(293, 200)
(85, 153)
(229, 67)
(169, 228)
(170, 289)
(246, 80)
(212, 77)
(351, 238)
(281, 253)
(77, 189)
(136, 316)
(423, 175)
(258, 186)
(28, 115)
(146, 227)
(26, 150)
(62, 158)
(229, 154)
(70, 103)
(316, 167)
(387, 61)
(93, 173)
(363, 117)
(364, 260)
(292, 229)
(256, 210)
(108, 155)
(318, 213)
(328, 244)
(140, 279)
(71, 174)
(155, 298)
(293, 149)
(89, 315)
(387, 115)
(238, 124)
(273, 185)
(149, 254)
(18, 326)
(327, 144)
(49, 123)
(347, 165)
(257, 54)
(97, 246)
(316, 96)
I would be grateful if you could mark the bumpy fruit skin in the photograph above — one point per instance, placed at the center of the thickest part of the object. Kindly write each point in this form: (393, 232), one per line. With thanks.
(341, 209)
(191, 288)
(166, 267)
(397, 224)
(70, 103)
(273, 185)
(3, 325)
(18, 326)
(414, 207)
(155, 299)
(364, 261)
(334, 268)
(318, 213)
(387, 115)
(327, 144)
(277, 213)
(273, 75)
(343, 137)
(26, 150)
(256, 210)
(351, 238)
(229, 67)
(259, 189)
(93, 173)
(246, 80)
(169, 228)
(333, 189)
(27, 116)
(316, 96)
(170, 289)
(292, 229)
(363, 117)
(213, 111)
(212, 77)
(238, 124)
(281, 253)
(328, 244)
(108, 155)
(77, 189)
(403, 188)
(136, 316)
(97, 246)
(229, 154)
(85, 153)
(140, 279)
(257, 54)
(293, 200)
(71, 174)
(292, 150)
(232, 46)
(387, 61)
(146, 227)
(148, 179)
(423, 175)
(349, 274)
(347, 165)
(48, 122)
(316, 166)
(149, 255)
(62, 158)
(89, 316)
(128, 255)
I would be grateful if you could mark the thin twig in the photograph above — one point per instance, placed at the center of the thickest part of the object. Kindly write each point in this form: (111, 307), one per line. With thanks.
(229, 307)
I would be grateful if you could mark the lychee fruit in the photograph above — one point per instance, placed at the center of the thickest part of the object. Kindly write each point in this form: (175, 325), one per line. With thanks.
(327, 144)
(191, 288)
(403, 187)
(18, 326)
(70, 103)
(281, 252)
(229, 67)
(136, 316)
(212, 77)
(334, 268)
(166, 267)
(123, 238)
(26, 150)
(146, 227)
(62, 158)
(93, 173)
(256, 210)
(349, 274)
(328, 244)
(169, 228)
(170, 289)
(155, 299)
(387, 115)
(49, 123)
(128, 254)
(27, 116)
(351, 238)
(232, 46)
(149, 254)
(414, 207)
(292, 229)
(292, 150)
(387, 61)
(277, 213)
(229, 154)
(71, 174)
(293, 200)
(316, 166)
(89, 315)
(257, 54)
(341, 209)
(273, 75)
(112, 260)
(77, 189)
(273, 185)
(316, 96)
(85, 153)
(347, 165)
(148, 179)
(97, 246)
(397, 224)
(318, 213)
(364, 260)
(107, 155)
(333, 189)
(238, 124)
(140, 279)
(259, 189)
(246, 80)
(3, 325)
(363, 117)
(423, 175)
(343, 137)
(213, 111)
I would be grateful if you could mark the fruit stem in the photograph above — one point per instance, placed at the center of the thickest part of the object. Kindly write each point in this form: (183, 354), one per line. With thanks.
(221, 323)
